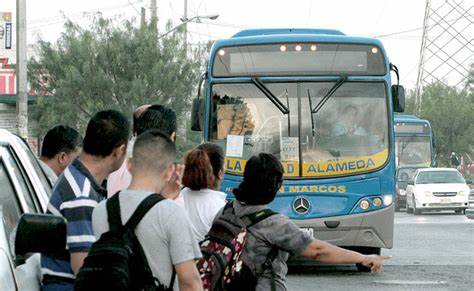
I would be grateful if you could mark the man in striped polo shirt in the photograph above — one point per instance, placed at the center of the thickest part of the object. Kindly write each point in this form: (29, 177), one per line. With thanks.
(77, 192)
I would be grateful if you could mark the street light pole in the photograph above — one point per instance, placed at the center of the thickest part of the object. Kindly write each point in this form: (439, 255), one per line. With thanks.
(21, 75)
(186, 21)
(185, 16)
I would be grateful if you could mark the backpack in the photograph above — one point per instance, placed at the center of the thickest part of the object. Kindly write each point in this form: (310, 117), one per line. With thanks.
(116, 261)
(221, 266)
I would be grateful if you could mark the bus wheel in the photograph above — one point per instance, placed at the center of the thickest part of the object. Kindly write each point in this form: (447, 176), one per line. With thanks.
(366, 251)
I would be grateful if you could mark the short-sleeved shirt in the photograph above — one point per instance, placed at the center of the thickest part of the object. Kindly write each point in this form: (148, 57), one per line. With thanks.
(75, 195)
(164, 232)
(275, 231)
(202, 207)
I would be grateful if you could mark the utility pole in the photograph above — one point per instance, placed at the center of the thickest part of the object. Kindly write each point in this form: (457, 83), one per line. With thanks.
(185, 17)
(142, 17)
(21, 59)
(154, 17)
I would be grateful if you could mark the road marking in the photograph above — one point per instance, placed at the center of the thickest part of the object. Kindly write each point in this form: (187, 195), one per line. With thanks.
(406, 282)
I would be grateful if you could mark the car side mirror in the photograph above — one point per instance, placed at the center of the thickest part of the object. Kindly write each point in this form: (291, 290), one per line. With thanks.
(197, 114)
(39, 233)
(398, 95)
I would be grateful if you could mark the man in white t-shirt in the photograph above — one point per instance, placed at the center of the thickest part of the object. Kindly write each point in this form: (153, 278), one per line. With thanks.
(164, 232)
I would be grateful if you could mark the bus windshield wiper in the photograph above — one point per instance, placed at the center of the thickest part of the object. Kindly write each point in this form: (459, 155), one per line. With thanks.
(328, 95)
(259, 84)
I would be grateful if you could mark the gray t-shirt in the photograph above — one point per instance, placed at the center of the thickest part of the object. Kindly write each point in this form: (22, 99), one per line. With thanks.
(164, 232)
(277, 231)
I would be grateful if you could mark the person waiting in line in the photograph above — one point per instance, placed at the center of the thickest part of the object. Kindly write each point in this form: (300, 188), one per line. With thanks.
(263, 176)
(121, 178)
(202, 178)
(164, 232)
(78, 190)
(157, 117)
(61, 145)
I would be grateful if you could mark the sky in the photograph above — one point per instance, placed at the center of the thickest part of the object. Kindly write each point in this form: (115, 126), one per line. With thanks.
(370, 18)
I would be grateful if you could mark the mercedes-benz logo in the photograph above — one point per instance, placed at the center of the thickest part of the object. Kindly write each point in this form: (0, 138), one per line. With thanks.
(301, 205)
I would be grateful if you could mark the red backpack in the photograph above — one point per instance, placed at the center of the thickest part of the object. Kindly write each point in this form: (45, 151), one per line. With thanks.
(222, 267)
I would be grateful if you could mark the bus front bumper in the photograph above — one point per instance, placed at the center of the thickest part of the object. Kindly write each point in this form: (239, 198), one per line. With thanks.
(372, 229)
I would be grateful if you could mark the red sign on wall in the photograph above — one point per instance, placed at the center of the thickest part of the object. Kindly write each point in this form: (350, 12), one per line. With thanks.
(7, 81)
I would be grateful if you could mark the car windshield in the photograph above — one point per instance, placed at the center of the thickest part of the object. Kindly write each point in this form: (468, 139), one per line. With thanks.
(439, 177)
(406, 174)
(413, 150)
(349, 134)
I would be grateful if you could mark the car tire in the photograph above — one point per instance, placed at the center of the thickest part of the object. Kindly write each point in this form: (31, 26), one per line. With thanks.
(416, 211)
(408, 209)
(461, 211)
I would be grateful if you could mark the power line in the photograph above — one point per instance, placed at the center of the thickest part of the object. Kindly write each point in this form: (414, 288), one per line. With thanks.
(48, 21)
(415, 29)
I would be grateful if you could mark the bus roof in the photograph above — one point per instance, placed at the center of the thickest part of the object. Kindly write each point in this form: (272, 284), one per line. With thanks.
(282, 35)
(274, 31)
(409, 118)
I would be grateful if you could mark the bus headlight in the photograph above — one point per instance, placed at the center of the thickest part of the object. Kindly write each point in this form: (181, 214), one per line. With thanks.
(387, 200)
(364, 204)
(377, 202)
(427, 193)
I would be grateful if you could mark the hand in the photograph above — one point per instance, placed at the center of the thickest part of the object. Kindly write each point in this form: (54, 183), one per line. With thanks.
(173, 186)
(374, 262)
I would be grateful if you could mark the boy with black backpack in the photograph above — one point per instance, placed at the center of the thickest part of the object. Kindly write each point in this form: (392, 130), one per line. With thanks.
(248, 244)
(143, 238)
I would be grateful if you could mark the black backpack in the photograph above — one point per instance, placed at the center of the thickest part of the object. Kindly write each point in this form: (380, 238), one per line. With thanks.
(116, 261)
(222, 267)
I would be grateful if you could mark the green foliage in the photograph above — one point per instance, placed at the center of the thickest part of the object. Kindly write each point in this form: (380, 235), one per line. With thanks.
(112, 65)
(451, 114)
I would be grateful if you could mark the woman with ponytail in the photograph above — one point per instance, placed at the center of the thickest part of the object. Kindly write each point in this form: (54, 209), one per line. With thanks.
(203, 174)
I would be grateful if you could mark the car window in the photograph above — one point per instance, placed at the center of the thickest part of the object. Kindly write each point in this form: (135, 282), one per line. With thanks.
(25, 185)
(8, 201)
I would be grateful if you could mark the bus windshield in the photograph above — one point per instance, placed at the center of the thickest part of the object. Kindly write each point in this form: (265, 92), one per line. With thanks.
(347, 135)
(413, 150)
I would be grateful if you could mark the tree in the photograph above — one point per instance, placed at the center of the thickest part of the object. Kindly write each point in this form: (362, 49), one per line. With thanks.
(451, 114)
(111, 65)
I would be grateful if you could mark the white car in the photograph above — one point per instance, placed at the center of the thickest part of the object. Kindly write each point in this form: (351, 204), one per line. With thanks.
(437, 189)
(24, 189)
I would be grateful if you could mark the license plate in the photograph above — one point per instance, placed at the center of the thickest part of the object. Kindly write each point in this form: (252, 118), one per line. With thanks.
(445, 200)
(308, 230)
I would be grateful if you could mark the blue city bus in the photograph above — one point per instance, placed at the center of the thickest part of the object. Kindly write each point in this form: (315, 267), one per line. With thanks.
(323, 103)
(414, 142)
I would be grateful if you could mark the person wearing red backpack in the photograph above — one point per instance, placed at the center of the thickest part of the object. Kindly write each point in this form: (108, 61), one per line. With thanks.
(255, 253)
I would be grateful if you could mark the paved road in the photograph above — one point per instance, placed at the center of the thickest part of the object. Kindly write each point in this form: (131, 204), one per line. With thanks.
(431, 252)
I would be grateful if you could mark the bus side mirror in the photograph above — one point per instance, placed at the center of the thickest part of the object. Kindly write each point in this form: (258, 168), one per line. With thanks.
(197, 114)
(398, 95)
(39, 233)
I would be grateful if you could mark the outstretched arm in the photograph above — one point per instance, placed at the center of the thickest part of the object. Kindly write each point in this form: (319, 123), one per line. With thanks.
(328, 253)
